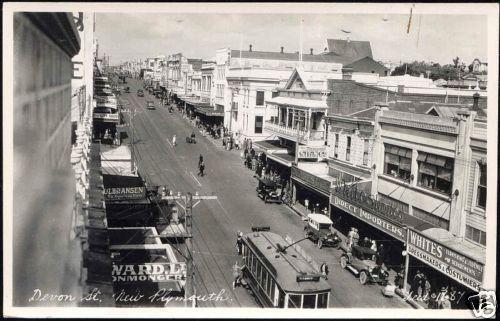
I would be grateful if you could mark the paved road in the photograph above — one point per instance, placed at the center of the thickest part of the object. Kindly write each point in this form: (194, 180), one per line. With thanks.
(215, 222)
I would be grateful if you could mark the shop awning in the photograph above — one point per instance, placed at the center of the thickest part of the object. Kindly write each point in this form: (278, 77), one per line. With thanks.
(269, 146)
(283, 159)
(305, 103)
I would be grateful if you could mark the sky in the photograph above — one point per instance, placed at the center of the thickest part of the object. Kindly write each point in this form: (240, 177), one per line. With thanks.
(433, 37)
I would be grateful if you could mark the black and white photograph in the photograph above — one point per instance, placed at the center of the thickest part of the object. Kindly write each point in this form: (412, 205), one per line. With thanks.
(296, 160)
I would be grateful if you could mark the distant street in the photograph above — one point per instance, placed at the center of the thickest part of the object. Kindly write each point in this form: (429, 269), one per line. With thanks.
(215, 222)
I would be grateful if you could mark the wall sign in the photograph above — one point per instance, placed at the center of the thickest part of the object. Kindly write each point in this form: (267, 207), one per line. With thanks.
(397, 231)
(451, 263)
(152, 272)
(124, 193)
(312, 152)
(107, 118)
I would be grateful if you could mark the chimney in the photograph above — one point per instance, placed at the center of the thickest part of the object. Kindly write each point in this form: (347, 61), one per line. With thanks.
(347, 73)
(311, 51)
(282, 49)
(475, 103)
(250, 48)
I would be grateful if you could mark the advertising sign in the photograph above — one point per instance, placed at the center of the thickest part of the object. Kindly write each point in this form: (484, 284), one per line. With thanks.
(455, 265)
(311, 180)
(149, 272)
(384, 225)
(108, 118)
(306, 152)
(124, 193)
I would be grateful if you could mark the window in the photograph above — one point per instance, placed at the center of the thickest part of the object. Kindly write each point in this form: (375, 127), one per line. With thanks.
(475, 235)
(263, 280)
(397, 162)
(431, 218)
(309, 301)
(403, 207)
(348, 149)
(260, 98)
(322, 300)
(274, 94)
(336, 148)
(435, 172)
(259, 270)
(294, 301)
(366, 145)
(481, 186)
(258, 124)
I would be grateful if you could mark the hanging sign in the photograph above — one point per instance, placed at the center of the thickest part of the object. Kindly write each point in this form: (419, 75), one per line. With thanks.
(149, 272)
(124, 193)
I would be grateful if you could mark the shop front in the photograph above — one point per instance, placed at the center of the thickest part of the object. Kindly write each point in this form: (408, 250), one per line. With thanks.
(105, 126)
(311, 191)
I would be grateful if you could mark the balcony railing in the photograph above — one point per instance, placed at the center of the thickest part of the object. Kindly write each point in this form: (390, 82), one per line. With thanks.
(291, 133)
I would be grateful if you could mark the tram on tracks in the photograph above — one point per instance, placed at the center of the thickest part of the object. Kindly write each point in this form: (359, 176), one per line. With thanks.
(279, 276)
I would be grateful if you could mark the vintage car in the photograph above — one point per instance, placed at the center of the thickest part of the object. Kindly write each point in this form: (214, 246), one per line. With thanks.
(360, 261)
(140, 93)
(318, 229)
(150, 105)
(269, 191)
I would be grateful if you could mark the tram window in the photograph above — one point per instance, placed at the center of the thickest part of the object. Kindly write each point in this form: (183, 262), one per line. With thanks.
(263, 280)
(322, 300)
(268, 286)
(259, 269)
(294, 300)
(309, 301)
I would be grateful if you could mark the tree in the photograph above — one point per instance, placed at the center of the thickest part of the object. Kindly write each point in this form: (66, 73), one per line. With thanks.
(456, 61)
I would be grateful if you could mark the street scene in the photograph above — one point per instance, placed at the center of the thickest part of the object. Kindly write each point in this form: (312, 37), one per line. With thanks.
(242, 160)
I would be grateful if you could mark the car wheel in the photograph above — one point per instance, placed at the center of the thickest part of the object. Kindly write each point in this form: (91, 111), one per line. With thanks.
(320, 243)
(306, 235)
(343, 262)
(363, 277)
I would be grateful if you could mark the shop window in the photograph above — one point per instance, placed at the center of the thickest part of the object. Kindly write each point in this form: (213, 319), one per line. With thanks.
(348, 149)
(403, 207)
(309, 301)
(435, 172)
(258, 124)
(294, 301)
(431, 218)
(322, 300)
(475, 235)
(365, 151)
(481, 186)
(397, 162)
(260, 98)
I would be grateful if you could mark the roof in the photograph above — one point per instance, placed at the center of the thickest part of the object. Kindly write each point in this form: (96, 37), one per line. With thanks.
(350, 48)
(307, 103)
(272, 55)
(312, 80)
(320, 218)
(284, 266)
(365, 64)
(453, 111)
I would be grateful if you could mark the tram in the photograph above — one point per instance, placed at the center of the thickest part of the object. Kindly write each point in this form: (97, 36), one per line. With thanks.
(279, 276)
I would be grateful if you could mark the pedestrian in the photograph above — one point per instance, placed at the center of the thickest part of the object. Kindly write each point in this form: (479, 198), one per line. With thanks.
(373, 247)
(380, 254)
(306, 204)
(201, 168)
(325, 211)
(415, 284)
(174, 140)
(245, 153)
(355, 237)
(239, 243)
(324, 270)
(237, 274)
(252, 151)
(427, 288)
(200, 160)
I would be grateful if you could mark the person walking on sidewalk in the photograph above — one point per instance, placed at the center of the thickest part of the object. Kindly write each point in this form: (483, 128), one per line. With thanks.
(239, 243)
(201, 168)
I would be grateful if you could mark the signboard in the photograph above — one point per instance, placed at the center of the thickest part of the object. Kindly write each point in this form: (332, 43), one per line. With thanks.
(77, 69)
(386, 226)
(124, 193)
(307, 278)
(312, 180)
(451, 263)
(364, 200)
(107, 118)
(149, 272)
(311, 152)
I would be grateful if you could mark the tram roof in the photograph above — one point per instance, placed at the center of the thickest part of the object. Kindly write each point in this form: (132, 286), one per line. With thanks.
(285, 267)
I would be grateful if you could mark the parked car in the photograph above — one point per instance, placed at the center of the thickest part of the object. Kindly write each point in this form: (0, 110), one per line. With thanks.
(269, 191)
(318, 229)
(150, 105)
(140, 93)
(359, 260)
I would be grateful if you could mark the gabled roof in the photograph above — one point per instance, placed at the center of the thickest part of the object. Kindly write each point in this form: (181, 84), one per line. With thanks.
(447, 111)
(312, 80)
(365, 64)
(349, 48)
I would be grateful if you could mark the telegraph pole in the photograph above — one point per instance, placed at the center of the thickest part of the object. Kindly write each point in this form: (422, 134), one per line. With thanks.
(187, 205)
